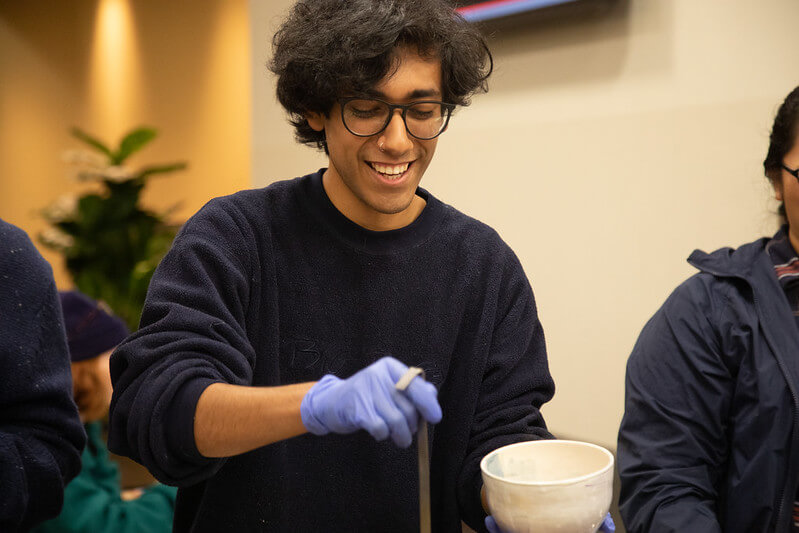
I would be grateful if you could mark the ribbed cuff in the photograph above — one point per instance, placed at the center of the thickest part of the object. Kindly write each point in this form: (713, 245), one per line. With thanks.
(180, 430)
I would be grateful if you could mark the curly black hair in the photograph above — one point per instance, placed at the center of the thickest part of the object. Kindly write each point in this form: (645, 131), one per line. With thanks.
(330, 48)
(783, 136)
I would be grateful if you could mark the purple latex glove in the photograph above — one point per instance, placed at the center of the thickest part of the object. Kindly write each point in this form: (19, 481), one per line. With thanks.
(491, 525)
(607, 525)
(369, 400)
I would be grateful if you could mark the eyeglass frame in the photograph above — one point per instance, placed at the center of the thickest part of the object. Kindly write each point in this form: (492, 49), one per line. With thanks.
(792, 171)
(391, 107)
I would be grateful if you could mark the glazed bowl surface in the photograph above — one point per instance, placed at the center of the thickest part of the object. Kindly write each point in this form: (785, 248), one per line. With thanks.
(548, 486)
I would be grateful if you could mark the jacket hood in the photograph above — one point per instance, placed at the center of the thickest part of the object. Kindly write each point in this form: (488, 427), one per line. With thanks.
(733, 262)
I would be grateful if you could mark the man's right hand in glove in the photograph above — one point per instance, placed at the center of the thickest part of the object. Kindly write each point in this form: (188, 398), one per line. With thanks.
(369, 400)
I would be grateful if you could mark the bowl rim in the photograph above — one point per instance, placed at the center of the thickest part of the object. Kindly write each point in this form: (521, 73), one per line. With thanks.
(566, 481)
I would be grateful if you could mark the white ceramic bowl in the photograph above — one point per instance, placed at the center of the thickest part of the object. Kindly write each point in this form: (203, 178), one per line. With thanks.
(548, 486)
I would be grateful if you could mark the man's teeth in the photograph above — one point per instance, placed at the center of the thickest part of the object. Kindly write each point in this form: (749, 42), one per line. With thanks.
(391, 170)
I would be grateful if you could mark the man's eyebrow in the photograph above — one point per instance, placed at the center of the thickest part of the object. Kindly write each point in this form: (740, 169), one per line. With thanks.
(413, 95)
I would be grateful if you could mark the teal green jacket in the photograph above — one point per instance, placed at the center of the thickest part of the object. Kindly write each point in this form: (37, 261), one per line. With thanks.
(93, 502)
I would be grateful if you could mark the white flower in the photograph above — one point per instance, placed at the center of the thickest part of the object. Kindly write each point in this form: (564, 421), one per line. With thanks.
(84, 164)
(90, 166)
(87, 175)
(84, 158)
(62, 209)
(57, 238)
(118, 173)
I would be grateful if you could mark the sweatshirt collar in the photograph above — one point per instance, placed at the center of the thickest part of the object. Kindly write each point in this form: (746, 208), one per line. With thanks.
(365, 240)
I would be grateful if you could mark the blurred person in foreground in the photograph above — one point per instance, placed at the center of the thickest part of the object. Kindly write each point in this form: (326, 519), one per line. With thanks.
(93, 501)
(41, 436)
(262, 379)
(710, 435)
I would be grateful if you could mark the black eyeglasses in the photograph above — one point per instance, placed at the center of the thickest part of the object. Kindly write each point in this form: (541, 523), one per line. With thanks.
(792, 171)
(364, 117)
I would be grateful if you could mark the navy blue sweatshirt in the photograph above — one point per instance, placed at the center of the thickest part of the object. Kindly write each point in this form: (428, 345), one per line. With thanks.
(275, 286)
(41, 435)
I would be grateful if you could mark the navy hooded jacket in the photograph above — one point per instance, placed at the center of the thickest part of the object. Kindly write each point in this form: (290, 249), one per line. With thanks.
(709, 436)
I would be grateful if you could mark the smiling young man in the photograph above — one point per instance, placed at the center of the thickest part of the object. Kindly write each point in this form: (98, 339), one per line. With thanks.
(262, 380)
(373, 179)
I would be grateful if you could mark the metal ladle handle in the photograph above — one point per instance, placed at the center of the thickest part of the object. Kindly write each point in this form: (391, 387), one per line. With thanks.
(424, 459)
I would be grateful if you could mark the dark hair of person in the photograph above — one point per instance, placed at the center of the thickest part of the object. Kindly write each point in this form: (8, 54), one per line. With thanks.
(327, 49)
(782, 139)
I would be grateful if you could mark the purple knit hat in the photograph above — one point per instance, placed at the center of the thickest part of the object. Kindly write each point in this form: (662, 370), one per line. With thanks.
(91, 331)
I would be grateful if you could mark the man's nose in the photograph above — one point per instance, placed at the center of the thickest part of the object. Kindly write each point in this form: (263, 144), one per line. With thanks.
(395, 138)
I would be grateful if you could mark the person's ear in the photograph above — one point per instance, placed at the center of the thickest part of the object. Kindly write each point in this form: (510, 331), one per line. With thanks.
(778, 193)
(315, 120)
(776, 181)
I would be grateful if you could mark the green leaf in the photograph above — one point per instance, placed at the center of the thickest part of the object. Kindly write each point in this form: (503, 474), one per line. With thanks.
(133, 142)
(160, 169)
(91, 141)
(90, 208)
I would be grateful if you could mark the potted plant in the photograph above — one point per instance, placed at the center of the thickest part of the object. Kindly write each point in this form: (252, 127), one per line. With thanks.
(110, 243)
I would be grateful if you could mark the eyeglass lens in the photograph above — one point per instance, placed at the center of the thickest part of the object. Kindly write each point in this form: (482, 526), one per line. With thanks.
(368, 117)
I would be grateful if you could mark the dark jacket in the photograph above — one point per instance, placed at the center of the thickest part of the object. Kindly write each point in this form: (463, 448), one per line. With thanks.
(708, 441)
(41, 436)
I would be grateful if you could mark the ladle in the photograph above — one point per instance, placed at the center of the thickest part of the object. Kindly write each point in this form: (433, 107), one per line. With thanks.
(424, 459)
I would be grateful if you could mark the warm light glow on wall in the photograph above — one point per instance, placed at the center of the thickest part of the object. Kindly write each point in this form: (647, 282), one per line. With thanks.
(115, 77)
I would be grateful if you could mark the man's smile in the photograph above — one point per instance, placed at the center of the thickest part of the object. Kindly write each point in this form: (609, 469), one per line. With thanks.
(391, 172)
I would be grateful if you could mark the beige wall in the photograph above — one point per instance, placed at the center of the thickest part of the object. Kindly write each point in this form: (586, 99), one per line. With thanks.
(275, 155)
(108, 66)
(607, 150)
